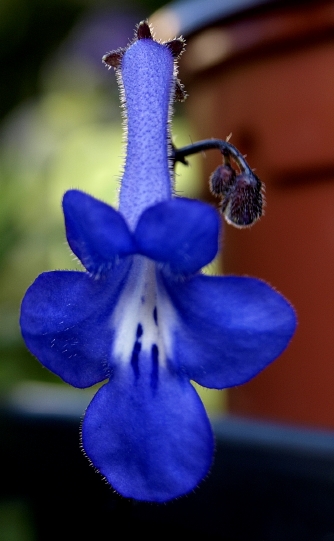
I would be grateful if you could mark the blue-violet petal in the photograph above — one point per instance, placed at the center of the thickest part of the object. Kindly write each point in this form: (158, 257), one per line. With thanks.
(96, 233)
(229, 328)
(65, 322)
(152, 442)
(180, 233)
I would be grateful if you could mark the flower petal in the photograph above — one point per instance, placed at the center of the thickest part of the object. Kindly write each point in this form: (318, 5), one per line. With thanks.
(181, 233)
(151, 442)
(65, 323)
(228, 329)
(95, 231)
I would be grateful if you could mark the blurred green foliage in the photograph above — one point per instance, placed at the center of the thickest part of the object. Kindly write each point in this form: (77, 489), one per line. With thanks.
(29, 31)
(15, 521)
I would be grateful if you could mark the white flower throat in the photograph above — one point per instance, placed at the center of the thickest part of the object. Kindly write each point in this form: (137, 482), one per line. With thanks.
(138, 332)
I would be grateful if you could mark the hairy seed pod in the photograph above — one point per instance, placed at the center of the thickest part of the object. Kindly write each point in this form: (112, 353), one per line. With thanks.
(243, 205)
(222, 179)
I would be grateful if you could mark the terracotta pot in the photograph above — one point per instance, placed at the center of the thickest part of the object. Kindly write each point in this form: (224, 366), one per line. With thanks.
(267, 76)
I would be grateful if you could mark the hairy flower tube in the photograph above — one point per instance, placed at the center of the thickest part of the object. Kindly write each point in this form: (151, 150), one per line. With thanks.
(142, 318)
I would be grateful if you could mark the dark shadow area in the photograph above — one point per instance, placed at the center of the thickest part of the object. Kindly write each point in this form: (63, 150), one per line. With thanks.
(267, 483)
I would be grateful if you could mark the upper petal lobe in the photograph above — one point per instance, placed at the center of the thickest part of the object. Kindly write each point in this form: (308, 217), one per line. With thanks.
(181, 233)
(96, 233)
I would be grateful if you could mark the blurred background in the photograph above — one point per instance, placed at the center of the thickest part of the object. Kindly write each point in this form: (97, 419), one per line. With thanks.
(263, 71)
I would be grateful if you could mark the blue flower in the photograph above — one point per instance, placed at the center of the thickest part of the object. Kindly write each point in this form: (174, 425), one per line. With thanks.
(142, 318)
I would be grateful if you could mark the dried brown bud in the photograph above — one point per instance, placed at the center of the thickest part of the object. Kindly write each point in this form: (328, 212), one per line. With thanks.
(179, 94)
(176, 46)
(144, 31)
(114, 58)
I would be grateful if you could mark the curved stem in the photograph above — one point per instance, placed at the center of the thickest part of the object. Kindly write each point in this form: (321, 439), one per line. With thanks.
(241, 192)
(226, 149)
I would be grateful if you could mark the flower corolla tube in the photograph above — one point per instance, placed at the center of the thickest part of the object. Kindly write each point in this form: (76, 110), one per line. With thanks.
(141, 318)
